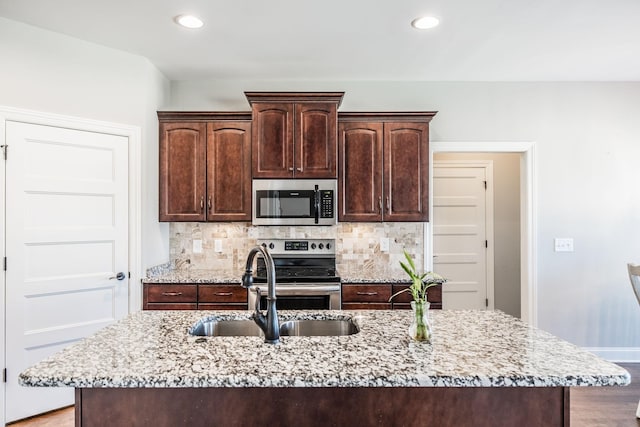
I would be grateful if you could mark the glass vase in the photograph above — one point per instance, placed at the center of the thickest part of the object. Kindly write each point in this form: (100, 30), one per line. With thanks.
(420, 328)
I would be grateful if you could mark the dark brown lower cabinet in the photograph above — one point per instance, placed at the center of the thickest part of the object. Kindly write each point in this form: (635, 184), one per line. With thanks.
(370, 296)
(403, 301)
(192, 296)
(222, 297)
(375, 296)
(318, 406)
(169, 296)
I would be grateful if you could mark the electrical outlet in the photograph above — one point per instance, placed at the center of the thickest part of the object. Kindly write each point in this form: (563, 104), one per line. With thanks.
(197, 246)
(384, 244)
(217, 245)
(564, 244)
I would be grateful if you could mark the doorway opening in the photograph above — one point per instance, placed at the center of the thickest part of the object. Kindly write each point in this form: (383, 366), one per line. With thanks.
(527, 226)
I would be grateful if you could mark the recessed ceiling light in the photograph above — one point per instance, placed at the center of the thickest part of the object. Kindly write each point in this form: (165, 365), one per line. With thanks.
(188, 21)
(425, 22)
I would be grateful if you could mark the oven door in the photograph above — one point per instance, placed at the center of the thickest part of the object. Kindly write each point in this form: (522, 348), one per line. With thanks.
(295, 296)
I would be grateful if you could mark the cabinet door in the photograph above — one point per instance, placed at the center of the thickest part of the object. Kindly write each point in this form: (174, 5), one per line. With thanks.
(272, 140)
(406, 176)
(182, 171)
(229, 171)
(315, 146)
(360, 171)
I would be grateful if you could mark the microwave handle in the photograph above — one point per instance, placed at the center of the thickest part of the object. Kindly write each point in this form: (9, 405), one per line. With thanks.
(317, 205)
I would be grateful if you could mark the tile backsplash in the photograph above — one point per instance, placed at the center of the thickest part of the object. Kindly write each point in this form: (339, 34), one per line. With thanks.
(358, 253)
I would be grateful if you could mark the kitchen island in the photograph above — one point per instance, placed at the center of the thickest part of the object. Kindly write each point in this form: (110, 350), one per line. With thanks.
(482, 368)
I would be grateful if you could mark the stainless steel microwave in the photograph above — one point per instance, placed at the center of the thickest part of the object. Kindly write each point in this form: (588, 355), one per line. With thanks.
(294, 202)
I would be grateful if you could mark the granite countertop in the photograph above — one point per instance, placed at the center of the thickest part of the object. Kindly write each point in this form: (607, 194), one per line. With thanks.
(365, 280)
(221, 277)
(194, 276)
(469, 349)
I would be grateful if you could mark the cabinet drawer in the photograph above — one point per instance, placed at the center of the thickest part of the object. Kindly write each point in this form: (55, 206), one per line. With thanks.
(222, 294)
(366, 293)
(160, 293)
(403, 301)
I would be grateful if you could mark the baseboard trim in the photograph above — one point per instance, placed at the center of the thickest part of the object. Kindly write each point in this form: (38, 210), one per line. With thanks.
(617, 354)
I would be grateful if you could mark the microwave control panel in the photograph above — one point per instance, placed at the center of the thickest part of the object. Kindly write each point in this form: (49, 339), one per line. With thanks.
(326, 203)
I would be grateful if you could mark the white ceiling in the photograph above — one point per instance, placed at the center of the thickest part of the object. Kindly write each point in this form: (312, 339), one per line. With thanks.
(481, 40)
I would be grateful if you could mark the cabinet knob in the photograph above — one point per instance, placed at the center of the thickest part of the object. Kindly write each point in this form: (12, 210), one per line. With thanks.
(388, 205)
(291, 169)
(299, 169)
(209, 203)
(202, 203)
(380, 203)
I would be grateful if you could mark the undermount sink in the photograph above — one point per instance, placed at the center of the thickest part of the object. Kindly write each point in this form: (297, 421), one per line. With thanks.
(316, 328)
(297, 327)
(226, 328)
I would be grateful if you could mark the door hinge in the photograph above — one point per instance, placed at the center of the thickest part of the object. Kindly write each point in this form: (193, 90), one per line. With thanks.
(5, 148)
(5, 263)
(486, 243)
(486, 302)
(485, 185)
(129, 275)
(4, 375)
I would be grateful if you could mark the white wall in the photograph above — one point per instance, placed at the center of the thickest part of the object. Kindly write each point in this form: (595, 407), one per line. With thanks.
(588, 145)
(53, 73)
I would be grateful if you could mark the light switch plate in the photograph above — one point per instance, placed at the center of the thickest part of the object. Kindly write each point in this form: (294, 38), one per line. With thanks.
(217, 245)
(197, 246)
(563, 244)
(384, 244)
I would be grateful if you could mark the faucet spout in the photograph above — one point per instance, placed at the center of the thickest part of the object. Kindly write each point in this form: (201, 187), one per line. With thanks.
(269, 323)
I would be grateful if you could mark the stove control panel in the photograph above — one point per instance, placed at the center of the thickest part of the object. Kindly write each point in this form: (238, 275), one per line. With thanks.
(302, 247)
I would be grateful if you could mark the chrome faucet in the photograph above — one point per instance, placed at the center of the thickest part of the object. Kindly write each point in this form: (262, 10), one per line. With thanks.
(269, 323)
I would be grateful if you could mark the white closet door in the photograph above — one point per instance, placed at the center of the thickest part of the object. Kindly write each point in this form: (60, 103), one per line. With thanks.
(67, 239)
(460, 233)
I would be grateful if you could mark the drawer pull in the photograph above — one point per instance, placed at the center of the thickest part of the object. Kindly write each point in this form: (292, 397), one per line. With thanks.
(224, 294)
(369, 294)
(172, 294)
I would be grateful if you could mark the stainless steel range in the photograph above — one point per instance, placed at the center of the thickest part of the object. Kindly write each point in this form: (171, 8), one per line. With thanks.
(306, 276)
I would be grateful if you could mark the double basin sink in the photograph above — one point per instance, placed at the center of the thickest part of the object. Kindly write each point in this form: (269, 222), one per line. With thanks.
(295, 327)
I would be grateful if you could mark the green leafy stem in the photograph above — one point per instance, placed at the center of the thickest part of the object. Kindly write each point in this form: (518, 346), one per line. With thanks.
(420, 282)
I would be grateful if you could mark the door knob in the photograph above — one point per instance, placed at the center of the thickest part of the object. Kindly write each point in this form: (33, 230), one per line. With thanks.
(119, 276)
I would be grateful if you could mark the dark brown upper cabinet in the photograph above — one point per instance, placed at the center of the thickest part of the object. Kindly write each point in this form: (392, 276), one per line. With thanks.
(205, 166)
(182, 171)
(294, 134)
(383, 172)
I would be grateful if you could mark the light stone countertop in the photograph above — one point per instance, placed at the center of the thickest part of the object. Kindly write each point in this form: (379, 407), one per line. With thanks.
(469, 349)
(195, 276)
(231, 277)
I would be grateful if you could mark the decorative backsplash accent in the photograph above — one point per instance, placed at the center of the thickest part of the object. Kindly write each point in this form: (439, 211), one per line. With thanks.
(358, 253)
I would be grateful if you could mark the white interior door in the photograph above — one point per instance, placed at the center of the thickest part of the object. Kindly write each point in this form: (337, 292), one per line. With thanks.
(460, 233)
(67, 239)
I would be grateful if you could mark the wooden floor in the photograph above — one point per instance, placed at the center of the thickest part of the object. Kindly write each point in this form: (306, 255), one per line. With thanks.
(590, 406)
